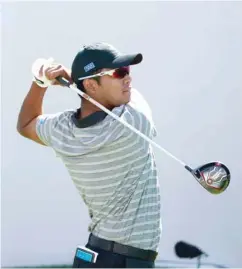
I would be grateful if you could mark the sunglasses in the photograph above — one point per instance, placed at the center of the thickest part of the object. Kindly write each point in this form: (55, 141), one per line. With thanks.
(115, 73)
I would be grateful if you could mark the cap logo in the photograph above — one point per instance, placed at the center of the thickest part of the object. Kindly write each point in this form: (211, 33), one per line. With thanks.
(89, 67)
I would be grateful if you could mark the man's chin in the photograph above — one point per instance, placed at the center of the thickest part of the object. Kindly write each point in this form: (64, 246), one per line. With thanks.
(126, 101)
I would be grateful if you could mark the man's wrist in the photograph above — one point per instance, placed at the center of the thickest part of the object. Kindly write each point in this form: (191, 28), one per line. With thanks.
(41, 83)
(36, 86)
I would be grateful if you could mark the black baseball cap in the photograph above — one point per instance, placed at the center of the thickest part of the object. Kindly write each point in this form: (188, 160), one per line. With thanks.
(98, 56)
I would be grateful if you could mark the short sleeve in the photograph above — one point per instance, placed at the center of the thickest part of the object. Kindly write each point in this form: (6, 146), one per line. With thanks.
(44, 126)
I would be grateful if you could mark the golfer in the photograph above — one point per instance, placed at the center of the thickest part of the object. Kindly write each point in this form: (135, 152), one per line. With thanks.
(112, 168)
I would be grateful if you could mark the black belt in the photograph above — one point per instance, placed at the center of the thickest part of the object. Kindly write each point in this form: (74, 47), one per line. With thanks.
(148, 255)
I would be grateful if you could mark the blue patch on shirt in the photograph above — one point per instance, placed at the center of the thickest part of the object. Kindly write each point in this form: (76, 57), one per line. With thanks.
(42, 120)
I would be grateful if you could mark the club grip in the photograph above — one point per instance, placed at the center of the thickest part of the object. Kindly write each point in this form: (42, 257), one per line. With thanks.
(63, 81)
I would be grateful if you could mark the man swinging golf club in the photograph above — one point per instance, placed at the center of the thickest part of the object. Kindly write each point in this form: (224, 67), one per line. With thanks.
(112, 167)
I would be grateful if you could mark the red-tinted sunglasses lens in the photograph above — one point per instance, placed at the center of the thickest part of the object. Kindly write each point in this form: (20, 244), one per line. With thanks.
(121, 72)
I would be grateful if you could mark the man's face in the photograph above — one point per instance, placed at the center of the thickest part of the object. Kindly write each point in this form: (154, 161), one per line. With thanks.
(112, 92)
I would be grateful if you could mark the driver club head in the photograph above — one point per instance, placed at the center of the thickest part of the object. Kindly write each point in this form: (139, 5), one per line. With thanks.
(213, 176)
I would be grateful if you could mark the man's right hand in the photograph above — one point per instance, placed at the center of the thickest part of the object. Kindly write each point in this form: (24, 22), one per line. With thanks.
(56, 70)
(46, 70)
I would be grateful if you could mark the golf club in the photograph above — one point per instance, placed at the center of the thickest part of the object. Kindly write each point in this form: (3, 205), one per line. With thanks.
(213, 176)
(188, 251)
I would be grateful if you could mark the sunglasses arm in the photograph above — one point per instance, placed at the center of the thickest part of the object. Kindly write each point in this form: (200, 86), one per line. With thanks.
(92, 76)
(98, 75)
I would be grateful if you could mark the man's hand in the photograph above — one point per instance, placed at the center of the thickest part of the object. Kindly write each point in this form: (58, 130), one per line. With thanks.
(56, 70)
(46, 70)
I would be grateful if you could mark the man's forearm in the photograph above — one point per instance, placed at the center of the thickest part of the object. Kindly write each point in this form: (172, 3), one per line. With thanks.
(31, 107)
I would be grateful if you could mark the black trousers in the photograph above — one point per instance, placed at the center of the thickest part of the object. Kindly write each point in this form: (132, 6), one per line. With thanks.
(108, 259)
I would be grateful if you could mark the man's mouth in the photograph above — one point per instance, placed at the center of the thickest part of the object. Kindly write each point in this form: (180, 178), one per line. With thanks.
(127, 89)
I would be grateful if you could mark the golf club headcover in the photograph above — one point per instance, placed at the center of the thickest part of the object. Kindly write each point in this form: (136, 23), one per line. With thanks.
(39, 75)
(185, 250)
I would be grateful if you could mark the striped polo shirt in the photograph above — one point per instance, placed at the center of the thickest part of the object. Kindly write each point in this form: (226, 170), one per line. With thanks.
(113, 169)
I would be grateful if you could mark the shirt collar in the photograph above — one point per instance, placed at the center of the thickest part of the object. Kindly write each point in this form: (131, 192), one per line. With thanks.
(88, 121)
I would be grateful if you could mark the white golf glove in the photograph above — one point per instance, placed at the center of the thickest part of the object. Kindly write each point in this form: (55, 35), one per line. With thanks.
(39, 77)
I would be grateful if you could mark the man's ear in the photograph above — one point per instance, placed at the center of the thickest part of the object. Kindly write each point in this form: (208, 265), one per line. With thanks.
(91, 85)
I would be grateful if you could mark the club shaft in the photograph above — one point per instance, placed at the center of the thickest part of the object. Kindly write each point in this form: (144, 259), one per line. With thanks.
(87, 97)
